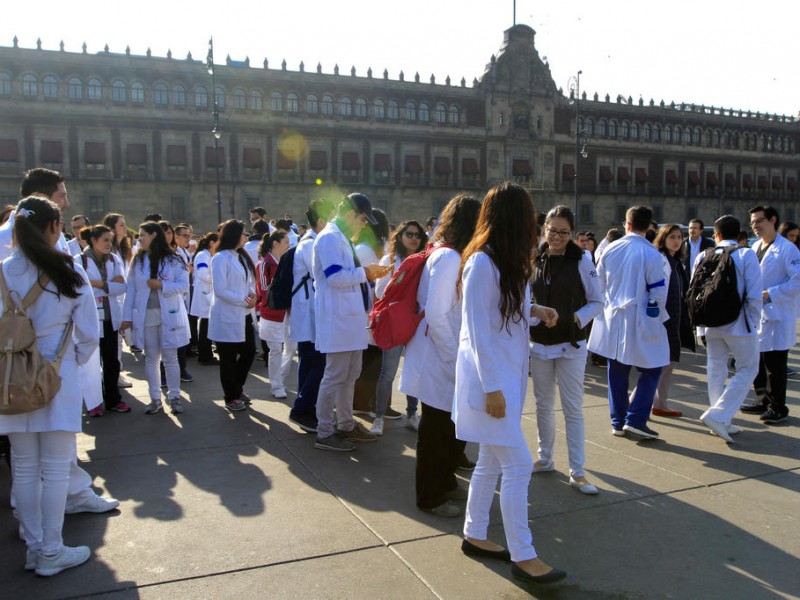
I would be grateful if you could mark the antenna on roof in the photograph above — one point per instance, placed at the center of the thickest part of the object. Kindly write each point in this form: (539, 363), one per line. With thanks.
(515, 12)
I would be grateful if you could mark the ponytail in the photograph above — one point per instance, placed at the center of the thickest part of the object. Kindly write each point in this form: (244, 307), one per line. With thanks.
(34, 215)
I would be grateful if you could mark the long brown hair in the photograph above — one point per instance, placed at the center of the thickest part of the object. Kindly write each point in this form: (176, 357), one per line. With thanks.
(661, 239)
(396, 244)
(506, 232)
(457, 222)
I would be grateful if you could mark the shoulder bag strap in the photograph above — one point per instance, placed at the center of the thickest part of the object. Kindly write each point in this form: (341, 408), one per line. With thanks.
(66, 339)
(7, 302)
(35, 291)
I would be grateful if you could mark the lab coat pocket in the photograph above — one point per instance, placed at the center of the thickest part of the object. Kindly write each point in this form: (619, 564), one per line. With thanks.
(649, 328)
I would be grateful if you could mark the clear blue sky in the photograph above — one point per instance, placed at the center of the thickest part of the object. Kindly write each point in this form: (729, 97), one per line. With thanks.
(736, 54)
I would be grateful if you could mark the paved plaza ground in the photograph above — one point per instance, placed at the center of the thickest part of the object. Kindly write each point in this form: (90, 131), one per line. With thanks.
(220, 505)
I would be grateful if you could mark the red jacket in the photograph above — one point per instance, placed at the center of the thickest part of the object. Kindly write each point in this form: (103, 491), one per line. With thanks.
(265, 271)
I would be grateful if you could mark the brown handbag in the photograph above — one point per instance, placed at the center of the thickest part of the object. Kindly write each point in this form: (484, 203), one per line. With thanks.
(28, 381)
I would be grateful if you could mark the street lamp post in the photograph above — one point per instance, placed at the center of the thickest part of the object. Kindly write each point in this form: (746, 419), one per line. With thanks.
(216, 131)
(581, 135)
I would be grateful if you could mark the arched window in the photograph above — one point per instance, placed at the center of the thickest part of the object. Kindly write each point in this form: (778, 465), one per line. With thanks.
(30, 85)
(452, 115)
(626, 129)
(668, 134)
(239, 99)
(276, 102)
(292, 102)
(312, 104)
(677, 135)
(118, 91)
(327, 105)
(424, 112)
(346, 107)
(728, 139)
(160, 96)
(256, 102)
(178, 95)
(589, 126)
(735, 141)
(201, 97)
(770, 143)
(441, 113)
(746, 139)
(377, 109)
(635, 131)
(411, 111)
(393, 111)
(657, 133)
(687, 135)
(137, 92)
(602, 128)
(5, 84)
(50, 86)
(361, 107)
(75, 88)
(648, 132)
(717, 138)
(612, 128)
(709, 138)
(696, 138)
(219, 97)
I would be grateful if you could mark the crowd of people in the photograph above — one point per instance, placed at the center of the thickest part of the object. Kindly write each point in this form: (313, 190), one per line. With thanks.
(503, 296)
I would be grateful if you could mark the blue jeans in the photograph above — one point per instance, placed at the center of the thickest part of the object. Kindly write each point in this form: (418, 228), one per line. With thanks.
(638, 412)
(383, 390)
(310, 370)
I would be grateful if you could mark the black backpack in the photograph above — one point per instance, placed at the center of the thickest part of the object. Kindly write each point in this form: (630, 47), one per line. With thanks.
(282, 289)
(713, 296)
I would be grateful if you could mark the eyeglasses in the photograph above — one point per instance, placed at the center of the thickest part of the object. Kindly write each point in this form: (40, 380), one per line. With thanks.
(416, 235)
(758, 221)
(551, 231)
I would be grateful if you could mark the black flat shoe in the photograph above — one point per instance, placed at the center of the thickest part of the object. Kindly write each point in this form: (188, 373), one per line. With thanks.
(471, 549)
(552, 576)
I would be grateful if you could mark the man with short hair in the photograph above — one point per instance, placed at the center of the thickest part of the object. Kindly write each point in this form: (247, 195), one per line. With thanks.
(50, 184)
(739, 337)
(780, 274)
(341, 304)
(311, 365)
(76, 244)
(630, 332)
(581, 239)
(286, 226)
(695, 244)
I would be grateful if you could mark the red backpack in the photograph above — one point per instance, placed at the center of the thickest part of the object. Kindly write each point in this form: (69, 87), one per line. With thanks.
(394, 318)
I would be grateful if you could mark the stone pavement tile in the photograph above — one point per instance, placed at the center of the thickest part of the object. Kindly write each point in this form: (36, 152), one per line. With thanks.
(190, 513)
(777, 495)
(372, 573)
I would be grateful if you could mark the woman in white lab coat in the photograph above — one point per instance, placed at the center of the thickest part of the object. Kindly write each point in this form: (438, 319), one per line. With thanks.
(230, 321)
(155, 312)
(43, 441)
(430, 366)
(492, 374)
(201, 299)
(107, 277)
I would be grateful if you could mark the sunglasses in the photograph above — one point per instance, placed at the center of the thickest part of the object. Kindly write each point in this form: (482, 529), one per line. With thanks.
(416, 235)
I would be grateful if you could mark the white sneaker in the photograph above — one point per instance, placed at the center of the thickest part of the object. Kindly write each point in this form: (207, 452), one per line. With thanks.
(31, 559)
(68, 557)
(91, 503)
(732, 430)
(412, 422)
(377, 427)
(123, 383)
(717, 427)
(280, 394)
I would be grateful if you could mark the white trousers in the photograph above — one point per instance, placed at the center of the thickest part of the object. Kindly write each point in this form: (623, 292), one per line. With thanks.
(568, 373)
(725, 400)
(515, 464)
(41, 463)
(281, 350)
(153, 355)
(336, 391)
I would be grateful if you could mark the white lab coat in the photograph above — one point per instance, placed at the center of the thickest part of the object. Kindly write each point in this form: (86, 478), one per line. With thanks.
(624, 332)
(780, 273)
(429, 370)
(301, 317)
(201, 299)
(491, 357)
(231, 283)
(174, 321)
(341, 319)
(50, 315)
(749, 286)
(380, 284)
(116, 291)
(74, 247)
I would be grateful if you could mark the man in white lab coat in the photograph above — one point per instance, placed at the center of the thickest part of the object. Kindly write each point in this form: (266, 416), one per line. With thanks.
(780, 273)
(740, 337)
(630, 331)
(50, 184)
(341, 304)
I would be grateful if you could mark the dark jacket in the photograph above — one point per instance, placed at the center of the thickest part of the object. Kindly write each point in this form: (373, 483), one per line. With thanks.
(705, 244)
(679, 329)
